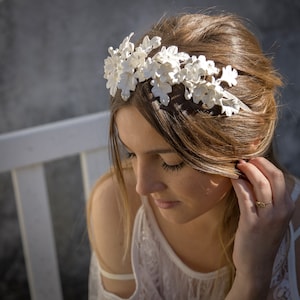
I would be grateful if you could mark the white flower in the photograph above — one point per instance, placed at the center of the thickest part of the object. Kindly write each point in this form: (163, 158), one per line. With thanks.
(128, 79)
(207, 93)
(196, 68)
(128, 65)
(229, 75)
(112, 71)
(170, 56)
(210, 67)
(113, 65)
(149, 69)
(168, 64)
(161, 90)
(126, 84)
(200, 93)
(124, 66)
(165, 73)
(126, 47)
(192, 71)
(148, 45)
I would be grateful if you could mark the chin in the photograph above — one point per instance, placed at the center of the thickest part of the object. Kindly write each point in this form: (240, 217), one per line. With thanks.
(178, 219)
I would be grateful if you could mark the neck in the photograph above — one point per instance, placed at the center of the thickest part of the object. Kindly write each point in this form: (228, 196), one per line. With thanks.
(206, 226)
(197, 243)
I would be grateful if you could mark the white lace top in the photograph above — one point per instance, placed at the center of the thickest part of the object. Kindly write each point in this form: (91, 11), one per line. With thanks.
(161, 275)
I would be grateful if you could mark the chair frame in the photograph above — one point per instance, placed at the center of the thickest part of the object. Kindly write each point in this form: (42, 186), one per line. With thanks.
(23, 153)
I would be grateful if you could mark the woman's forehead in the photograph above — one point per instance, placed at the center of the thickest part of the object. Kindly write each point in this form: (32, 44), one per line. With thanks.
(135, 132)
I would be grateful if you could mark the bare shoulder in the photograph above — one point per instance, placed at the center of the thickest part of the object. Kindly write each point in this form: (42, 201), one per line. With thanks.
(106, 220)
(106, 225)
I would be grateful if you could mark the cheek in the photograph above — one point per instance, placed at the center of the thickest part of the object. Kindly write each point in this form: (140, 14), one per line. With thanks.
(219, 188)
(212, 186)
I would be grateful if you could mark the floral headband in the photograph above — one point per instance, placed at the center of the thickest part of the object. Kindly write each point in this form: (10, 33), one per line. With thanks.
(128, 65)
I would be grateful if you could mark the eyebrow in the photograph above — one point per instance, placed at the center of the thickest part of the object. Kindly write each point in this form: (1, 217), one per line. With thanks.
(161, 151)
(154, 151)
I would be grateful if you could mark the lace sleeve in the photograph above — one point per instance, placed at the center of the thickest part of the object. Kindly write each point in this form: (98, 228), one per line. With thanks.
(295, 234)
(284, 280)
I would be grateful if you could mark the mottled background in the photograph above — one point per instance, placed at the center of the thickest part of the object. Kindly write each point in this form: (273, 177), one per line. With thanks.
(51, 60)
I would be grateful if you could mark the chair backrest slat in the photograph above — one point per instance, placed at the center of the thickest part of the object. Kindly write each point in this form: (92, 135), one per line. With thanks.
(37, 233)
(93, 164)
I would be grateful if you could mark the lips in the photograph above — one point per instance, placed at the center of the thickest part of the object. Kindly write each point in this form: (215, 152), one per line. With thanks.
(165, 204)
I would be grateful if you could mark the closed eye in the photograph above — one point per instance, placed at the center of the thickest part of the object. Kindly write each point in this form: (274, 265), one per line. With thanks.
(164, 165)
(130, 155)
(173, 168)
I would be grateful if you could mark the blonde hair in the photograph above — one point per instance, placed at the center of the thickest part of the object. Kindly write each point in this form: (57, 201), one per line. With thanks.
(211, 144)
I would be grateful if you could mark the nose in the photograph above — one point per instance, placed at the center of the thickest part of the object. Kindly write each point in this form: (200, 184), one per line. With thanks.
(148, 179)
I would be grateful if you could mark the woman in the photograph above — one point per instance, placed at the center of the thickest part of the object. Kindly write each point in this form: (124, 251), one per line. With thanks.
(198, 209)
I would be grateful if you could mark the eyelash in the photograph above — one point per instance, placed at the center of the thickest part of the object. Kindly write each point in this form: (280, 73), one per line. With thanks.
(164, 165)
(172, 168)
(130, 155)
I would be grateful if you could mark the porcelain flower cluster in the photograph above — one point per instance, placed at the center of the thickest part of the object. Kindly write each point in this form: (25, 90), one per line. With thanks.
(128, 65)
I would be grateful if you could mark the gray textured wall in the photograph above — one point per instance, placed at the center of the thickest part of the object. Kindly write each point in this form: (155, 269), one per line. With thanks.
(51, 60)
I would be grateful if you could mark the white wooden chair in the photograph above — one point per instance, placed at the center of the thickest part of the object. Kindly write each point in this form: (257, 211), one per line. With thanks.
(23, 153)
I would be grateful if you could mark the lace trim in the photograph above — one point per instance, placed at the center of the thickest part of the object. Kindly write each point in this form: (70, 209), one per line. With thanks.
(292, 267)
